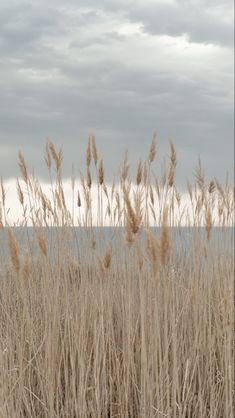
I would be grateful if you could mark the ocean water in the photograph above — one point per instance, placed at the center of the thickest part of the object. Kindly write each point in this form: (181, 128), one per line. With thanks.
(79, 242)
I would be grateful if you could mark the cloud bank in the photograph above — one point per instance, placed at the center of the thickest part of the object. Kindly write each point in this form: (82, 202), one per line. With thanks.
(122, 70)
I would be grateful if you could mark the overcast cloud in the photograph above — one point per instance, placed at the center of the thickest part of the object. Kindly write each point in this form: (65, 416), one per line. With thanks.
(120, 69)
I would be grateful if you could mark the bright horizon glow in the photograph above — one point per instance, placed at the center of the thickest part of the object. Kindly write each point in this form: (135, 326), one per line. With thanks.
(15, 213)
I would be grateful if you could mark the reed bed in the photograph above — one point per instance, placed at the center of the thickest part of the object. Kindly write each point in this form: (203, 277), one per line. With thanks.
(134, 320)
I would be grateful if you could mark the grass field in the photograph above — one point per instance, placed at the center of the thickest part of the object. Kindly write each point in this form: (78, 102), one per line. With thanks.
(143, 328)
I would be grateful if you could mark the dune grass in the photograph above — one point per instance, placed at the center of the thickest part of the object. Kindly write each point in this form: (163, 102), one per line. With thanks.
(129, 321)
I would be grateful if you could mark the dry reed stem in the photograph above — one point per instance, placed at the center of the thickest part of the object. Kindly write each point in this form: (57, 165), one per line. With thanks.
(208, 222)
(164, 239)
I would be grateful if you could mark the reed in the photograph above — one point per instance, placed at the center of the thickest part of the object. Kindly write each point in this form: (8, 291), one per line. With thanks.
(131, 321)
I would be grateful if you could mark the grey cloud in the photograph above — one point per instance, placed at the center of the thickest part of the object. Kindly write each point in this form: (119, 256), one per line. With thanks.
(121, 102)
(193, 18)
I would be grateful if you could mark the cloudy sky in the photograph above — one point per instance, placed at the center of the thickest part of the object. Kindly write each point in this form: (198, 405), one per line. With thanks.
(121, 69)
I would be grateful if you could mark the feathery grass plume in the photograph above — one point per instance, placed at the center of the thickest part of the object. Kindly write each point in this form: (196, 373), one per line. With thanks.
(164, 239)
(42, 244)
(101, 172)
(47, 155)
(173, 162)
(125, 167)
(88, 153)
(190, 190)
(88, 178)
(220, 189)
(57, 156)
(200, 177)
(46, 204)
(211, 187)
(145, 174)
(61, 192)
(105, 261)
(152, 248)
(58, 200)
(14, 250)
(151, 195)
(94, 150)
(133, 219)
(23, 167)
(79, 203)
(164, 172)
(139, 173)
(107, 257)
(152, 149)
(20, 193)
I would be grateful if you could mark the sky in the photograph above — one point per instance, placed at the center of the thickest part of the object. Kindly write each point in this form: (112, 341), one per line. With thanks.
(120, 69)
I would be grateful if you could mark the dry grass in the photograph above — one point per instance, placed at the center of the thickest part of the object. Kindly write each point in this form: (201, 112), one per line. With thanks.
(129, 322)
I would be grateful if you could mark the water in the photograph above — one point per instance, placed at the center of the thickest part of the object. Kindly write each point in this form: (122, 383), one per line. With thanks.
(78, 241)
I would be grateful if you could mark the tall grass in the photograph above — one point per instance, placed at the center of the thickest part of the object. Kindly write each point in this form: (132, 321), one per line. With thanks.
(124, 322)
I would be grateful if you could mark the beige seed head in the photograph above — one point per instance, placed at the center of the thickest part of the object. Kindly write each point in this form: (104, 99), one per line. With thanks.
(78, 200)
(88, 153)
(94, 150)
(171, 175)
(211, 187)
(152, 149)
(57, 156)
(139, 173)
(47, 155)
(20, 193)
(88, 178)
(101, 172)
(23, 167)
